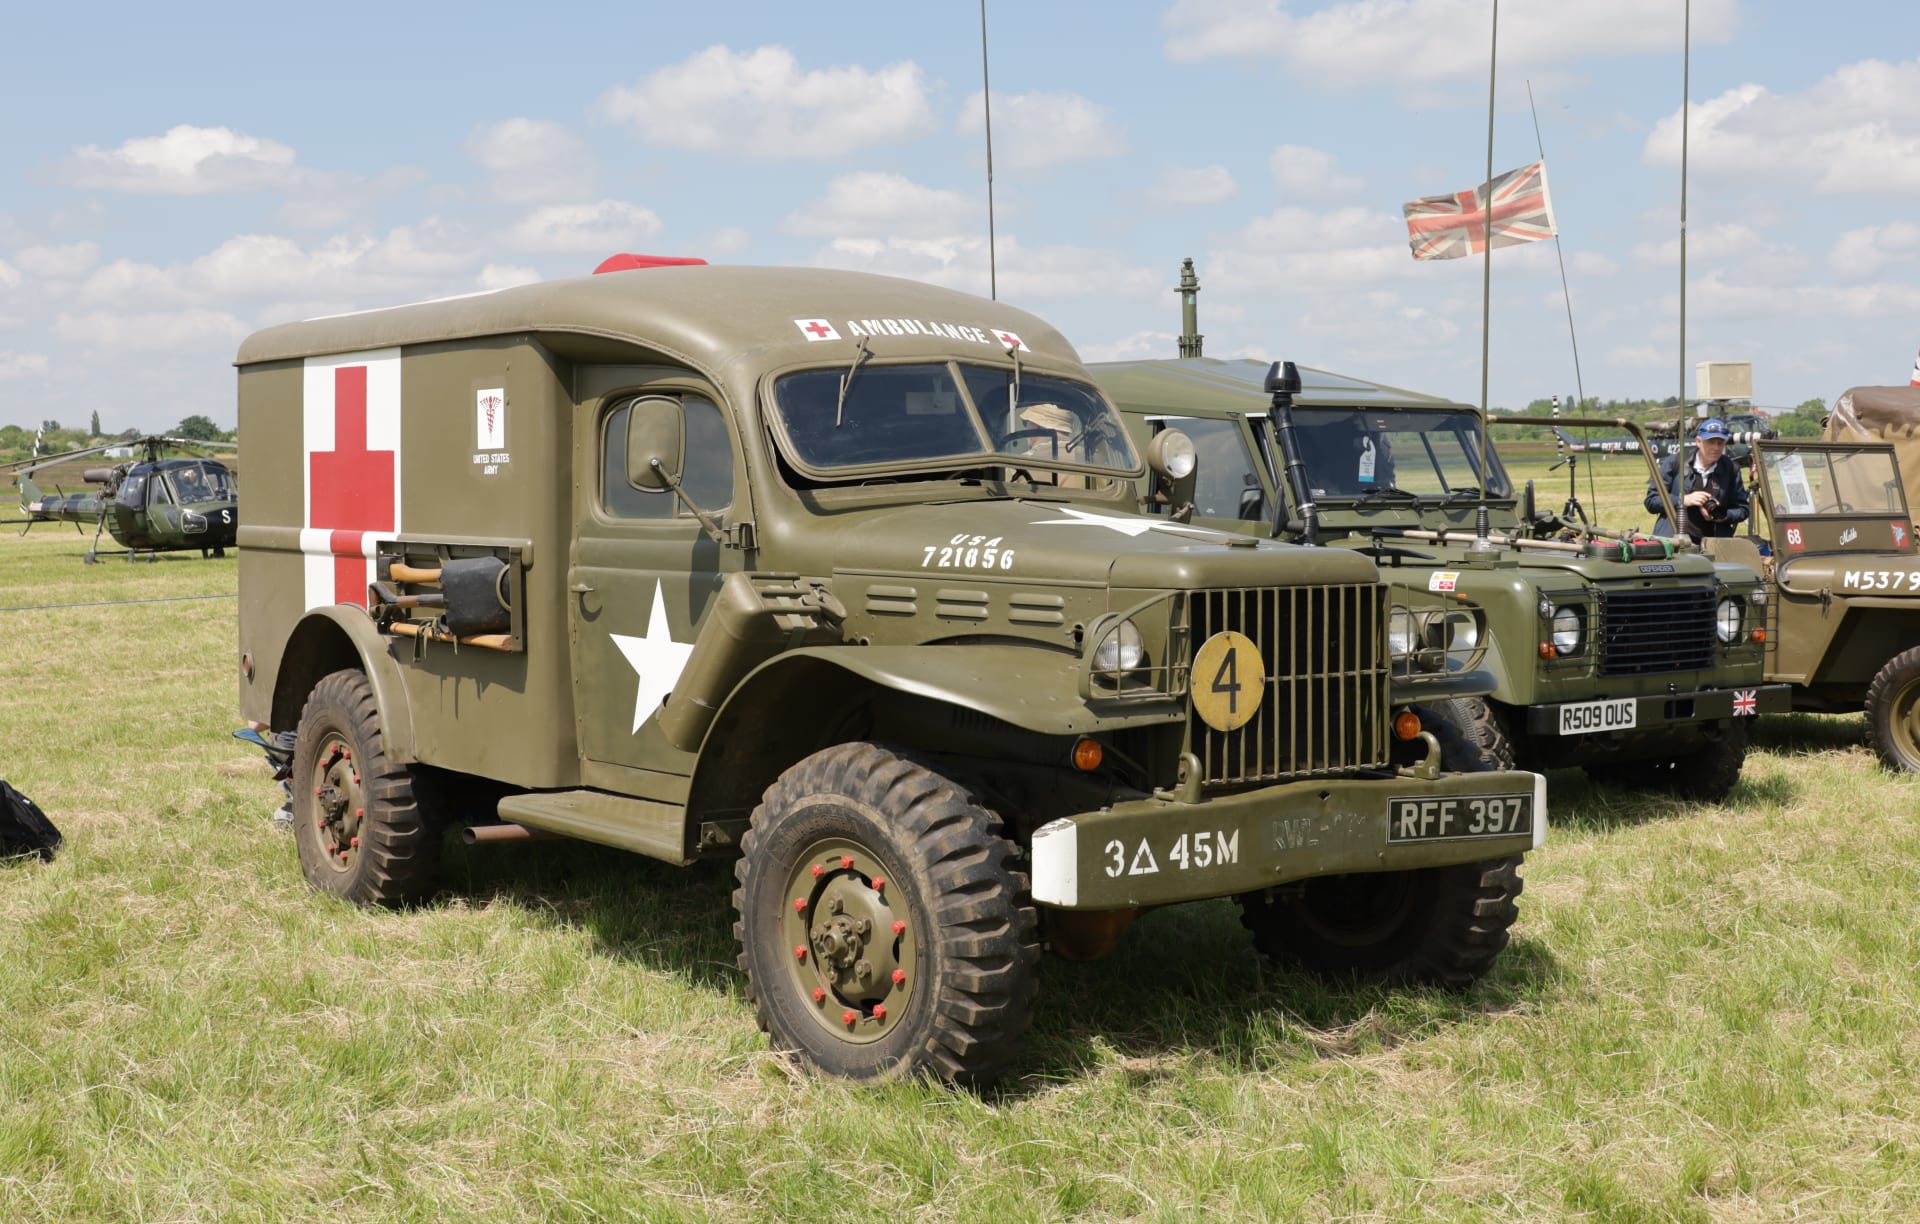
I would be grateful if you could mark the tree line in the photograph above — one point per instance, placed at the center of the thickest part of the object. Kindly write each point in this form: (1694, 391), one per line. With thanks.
(1803, 421)
(16, 441)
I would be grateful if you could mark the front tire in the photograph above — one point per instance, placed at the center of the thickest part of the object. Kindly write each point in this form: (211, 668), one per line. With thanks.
(1706, 775)
(360, 829)
(1893, 713)
(883, 929)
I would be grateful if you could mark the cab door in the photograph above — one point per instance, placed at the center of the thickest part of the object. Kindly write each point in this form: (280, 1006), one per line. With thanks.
(642, 576)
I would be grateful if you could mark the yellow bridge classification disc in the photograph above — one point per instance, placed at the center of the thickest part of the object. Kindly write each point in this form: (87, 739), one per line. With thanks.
(1228, 679)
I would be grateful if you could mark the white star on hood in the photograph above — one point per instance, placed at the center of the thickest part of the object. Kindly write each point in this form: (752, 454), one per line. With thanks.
(656, 659)
(1129, 525)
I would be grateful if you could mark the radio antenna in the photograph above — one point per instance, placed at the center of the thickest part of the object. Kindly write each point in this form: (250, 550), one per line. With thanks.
(1566, 294)
(986, 100)
(1482, 546)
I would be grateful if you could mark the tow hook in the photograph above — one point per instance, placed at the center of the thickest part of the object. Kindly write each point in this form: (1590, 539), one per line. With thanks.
(1427, 769)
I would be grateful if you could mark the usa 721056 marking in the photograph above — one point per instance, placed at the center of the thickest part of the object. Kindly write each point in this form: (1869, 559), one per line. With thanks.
(1196, 851)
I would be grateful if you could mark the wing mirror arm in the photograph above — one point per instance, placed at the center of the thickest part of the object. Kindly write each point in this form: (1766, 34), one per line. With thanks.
(708, 523)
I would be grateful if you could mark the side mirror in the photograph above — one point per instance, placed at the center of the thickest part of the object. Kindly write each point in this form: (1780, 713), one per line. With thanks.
(656, 444)
(1176, 468)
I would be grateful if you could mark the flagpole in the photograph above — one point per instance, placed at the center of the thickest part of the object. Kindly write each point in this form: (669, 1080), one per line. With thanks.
(986, 100)
(1566, 295)
(1482, 546)
(1686, 92)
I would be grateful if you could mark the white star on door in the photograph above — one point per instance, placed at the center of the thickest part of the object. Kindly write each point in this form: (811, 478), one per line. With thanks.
(656, 659)
(1128, 525)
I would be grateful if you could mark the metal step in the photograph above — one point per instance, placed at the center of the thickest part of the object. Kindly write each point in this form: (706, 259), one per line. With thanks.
(657, 830)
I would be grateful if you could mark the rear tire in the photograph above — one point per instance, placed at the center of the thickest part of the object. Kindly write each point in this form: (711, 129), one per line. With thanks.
(1893, 713)
(1484, 739)
(361, 832)
(883, 928)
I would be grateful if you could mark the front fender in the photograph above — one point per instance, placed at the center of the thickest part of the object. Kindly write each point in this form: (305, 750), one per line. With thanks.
(1031, 687)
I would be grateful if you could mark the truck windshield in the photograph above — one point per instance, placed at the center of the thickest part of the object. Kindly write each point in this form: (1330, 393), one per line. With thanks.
(919, 414)
(1358, 452)
(1833, 482)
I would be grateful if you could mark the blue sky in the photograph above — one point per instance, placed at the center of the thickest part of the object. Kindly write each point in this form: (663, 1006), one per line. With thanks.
(175, 178)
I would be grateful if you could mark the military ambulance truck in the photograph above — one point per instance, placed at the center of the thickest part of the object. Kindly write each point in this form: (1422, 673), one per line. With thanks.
(1638, 661)
(840, 575)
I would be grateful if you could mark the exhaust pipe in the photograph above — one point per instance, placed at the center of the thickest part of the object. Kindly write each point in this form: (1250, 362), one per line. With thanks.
(474, 835)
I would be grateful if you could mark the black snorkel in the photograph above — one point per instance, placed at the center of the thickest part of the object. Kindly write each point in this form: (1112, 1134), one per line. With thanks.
(1283, 383)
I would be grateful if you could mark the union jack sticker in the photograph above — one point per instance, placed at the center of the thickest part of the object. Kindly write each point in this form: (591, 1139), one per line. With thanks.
(1745, 704)
(1899, 534)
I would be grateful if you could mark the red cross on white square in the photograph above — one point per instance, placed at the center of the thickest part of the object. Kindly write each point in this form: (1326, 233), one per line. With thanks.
(351, 453)
(1009, 340)
(816, 329)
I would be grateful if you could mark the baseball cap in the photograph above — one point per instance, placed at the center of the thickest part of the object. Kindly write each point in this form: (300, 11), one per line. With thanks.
(1712, 427)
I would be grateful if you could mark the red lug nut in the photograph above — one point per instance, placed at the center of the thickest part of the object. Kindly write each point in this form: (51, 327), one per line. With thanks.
(846, 862)
(799, 904)
(359, 813)
(849, 1017)
(878, 883)
(879, 1011)
(899, 928)
(355, 842)
(818, 870)
(799, 951)
(819, 994)
(899, 977)
(346, 754)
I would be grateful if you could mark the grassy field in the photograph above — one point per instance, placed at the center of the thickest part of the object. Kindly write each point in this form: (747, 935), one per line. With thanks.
(1707, 1012)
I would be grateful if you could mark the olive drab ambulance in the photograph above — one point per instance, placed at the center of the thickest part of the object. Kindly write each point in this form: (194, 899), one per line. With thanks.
(841, 577)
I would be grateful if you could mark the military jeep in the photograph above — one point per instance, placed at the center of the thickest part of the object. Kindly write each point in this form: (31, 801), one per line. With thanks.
(842, 576)
(1844, 623)
(1638, 660)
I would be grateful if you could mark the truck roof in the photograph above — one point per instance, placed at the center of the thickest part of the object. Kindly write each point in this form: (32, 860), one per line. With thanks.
(1198, 385)
(705, 316)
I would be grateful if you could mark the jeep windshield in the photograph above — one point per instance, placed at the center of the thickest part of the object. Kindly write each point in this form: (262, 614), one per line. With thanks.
(945, 417)
(1815, 481)
(1377, 455)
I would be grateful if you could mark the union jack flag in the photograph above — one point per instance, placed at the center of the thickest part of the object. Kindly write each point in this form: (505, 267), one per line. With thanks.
(1453, 226)
(1744, 703)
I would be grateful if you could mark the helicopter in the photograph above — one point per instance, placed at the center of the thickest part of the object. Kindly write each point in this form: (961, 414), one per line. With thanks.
(148, 504)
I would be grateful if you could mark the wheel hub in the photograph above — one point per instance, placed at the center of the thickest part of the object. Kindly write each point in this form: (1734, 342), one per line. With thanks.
(339, 805)
(854, 954)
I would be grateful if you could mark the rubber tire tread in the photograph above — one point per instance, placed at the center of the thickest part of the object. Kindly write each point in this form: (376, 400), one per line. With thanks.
(1902, 670)
(399, 858)
(1457, 928)
(1706, 775)
(1481, 734)
(981, 942)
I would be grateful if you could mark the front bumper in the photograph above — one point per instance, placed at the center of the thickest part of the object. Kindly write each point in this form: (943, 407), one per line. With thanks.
(1667, 709)
(1157, 851)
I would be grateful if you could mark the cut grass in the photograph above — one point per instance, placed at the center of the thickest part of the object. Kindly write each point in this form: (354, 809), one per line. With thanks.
(1706, 1013)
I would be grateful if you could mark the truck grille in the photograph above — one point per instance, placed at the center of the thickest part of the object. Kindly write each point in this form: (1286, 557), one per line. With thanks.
(1323, 706)
(1643, 632)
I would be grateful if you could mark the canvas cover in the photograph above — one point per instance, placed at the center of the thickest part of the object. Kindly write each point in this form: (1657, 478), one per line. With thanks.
(24, 828)
(1882, 414)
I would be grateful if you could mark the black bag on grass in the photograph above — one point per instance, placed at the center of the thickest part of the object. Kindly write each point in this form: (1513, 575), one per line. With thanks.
(24, 828)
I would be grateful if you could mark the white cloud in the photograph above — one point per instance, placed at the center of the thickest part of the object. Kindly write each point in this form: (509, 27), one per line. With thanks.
(727, 240)
(1302, 171)
(533, 160)
(1863, 252)
(1857, 131)
(761, 104)
(1420, 41)
(124, 280)
(148, 332)
(186, 161)
(1024, 274)
(1033, 131)
(1718, 295)
(406, 260)
(871, 202)
(505, 276)
(9, 275)
(599, 229)
(1139, 346)
(16, 366)
(58, 262)
(1592, 263)
(1734, 242)
(1183, 188)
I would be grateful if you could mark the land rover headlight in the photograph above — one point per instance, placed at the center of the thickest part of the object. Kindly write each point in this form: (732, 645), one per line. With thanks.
(1729, 618)
(1568, 631)
(1119, 652)
(1458, 632)
(1401, 631)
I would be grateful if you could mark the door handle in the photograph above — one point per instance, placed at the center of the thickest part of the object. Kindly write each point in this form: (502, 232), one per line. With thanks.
(581, 588)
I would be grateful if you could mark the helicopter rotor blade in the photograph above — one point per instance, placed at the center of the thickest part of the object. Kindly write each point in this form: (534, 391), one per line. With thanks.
(27, 467)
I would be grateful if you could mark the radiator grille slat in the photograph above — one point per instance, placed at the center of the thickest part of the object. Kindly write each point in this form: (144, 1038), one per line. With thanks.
(1647, 632)
(1324, 699)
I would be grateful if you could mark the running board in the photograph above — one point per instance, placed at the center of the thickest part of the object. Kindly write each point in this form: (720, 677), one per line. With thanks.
(657, 830)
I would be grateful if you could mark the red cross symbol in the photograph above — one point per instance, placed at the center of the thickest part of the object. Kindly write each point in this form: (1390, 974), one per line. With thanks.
(1009, 340)
(351, 486)
(818, 328)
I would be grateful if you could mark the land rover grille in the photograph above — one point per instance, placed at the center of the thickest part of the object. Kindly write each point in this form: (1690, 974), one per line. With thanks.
(1323, 707)
(1652, 630)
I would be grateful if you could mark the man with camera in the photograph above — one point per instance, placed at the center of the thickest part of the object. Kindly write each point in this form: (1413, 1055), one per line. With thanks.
(1704, 483)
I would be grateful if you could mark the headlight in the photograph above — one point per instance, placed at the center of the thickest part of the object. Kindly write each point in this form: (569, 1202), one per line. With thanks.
(1461, 633)
(1728, 620)
(1400, 632)
(1177, 452)
(1118, 652)
(193, 520)
(1567, 630)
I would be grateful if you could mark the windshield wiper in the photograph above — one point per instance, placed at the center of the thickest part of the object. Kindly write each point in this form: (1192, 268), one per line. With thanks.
(1386, 490)
(846, 380)
(1462, 491)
